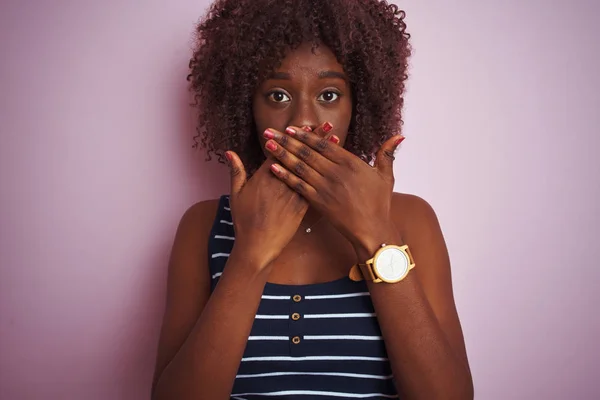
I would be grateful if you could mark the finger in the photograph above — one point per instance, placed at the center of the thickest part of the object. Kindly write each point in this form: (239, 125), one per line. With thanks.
(321, 140)
(324, 130)
(293, 163)
(238, 172)
(384, 160)
(298, 185)
(302, 151)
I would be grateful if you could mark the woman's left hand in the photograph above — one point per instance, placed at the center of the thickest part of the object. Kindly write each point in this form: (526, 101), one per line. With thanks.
(355, 197)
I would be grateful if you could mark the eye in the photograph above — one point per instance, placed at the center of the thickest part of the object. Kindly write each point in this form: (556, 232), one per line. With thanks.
(329, 96)
(278, 97)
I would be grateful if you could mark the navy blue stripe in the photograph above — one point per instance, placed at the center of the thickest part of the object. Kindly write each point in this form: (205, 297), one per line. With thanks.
(273, 321)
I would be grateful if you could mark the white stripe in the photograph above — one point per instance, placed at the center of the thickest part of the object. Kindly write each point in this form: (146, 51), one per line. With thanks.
(263, 316)
(218, 274)
(226, 222)
(341, 337)
(336, 296)
(320, 393)
(227, 208)
(224, 237)
(315, 358)
(350, 315)
(268, 297)
(216, 255)
(238, 398)
(342, 374)
(268, 338)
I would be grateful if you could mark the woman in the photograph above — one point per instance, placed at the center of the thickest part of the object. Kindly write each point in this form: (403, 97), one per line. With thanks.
(265, 297)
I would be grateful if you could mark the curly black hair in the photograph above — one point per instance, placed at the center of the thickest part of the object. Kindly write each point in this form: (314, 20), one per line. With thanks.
(239, 42)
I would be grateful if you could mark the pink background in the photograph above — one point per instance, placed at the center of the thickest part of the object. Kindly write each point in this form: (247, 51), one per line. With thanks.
(96, 168)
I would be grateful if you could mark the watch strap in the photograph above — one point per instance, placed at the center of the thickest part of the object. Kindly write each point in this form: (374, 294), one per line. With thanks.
(358, 272)
(355, 273)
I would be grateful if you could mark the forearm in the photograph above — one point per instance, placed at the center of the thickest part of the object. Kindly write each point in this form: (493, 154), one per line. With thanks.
(206, 365)
(424, 364)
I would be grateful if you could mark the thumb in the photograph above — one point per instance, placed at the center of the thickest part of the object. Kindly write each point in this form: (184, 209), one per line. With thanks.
(384, 160)
(238, 172)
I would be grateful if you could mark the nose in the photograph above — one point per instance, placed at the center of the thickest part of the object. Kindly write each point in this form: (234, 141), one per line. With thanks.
(304, 115)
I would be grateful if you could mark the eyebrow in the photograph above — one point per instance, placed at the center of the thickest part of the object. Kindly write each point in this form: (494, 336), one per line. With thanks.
(322, 75)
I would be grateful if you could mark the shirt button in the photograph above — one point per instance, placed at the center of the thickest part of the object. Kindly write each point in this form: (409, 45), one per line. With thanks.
(296, 339)
(295, 316)
(297, 298)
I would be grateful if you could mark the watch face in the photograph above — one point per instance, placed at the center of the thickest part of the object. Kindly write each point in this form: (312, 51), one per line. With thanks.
(391, 265)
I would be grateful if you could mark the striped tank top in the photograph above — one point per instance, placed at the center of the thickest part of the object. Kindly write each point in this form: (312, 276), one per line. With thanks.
(317, 341)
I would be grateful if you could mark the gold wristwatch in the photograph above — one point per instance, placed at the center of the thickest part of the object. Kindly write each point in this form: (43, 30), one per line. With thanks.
(390, 264)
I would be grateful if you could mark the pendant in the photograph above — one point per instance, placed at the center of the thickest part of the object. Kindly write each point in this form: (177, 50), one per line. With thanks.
(308, 230)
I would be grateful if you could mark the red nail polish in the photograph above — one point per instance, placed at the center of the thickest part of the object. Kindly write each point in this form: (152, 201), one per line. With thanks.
(334, 139)
(268, 134)
(327, 127)
(271, 146)
(229, 156)
(307, 128)
(400, 139)
(290, 131)
(274, 168)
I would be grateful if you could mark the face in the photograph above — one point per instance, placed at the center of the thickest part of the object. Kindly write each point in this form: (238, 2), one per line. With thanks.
(306, 90)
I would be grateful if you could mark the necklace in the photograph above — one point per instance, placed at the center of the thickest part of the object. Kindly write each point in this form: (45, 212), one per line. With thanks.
(309, 229)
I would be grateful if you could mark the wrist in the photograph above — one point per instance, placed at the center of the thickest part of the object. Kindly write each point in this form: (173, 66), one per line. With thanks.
(251, 257)
(367, 245)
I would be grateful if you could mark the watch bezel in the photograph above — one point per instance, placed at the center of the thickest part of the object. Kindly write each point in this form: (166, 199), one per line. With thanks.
(404, 251)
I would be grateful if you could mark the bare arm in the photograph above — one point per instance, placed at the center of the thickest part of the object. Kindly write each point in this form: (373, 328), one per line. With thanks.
(203, 338)
(417, 316)
(199, 356)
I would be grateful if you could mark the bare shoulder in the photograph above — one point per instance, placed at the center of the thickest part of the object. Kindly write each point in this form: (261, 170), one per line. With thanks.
(191, 238)
(419, 228)
(200, 215)
(413, 212)
(193, 231)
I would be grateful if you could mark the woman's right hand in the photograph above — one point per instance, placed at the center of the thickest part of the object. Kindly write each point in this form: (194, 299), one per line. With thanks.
(266, 212)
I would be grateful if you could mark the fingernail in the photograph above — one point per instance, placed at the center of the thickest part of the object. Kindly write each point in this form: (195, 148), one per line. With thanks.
(229, 156)
(269, 134)
(307, 128)
(290, 131)
(400, 139)
(327, 127)
(334, 139)
(275, 168)
(271, 146)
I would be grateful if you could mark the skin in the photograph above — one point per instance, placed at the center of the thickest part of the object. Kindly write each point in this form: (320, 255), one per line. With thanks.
(307, 90)
(307, 175)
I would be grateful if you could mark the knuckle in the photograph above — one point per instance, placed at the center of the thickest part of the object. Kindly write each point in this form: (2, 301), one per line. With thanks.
(300, 169)
(301, 135)
(300, 187)
(322, 145)
(304, 153)
(351, 166)
(284, 140)
(282, 154)
(389, 154)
